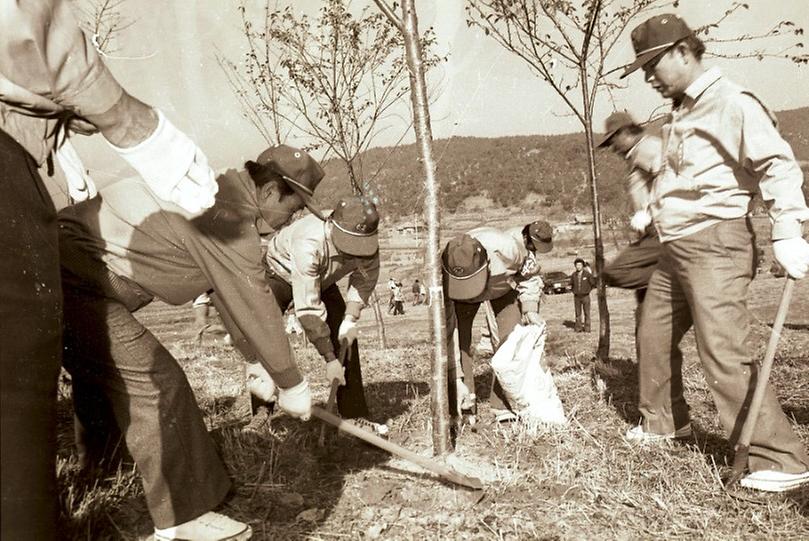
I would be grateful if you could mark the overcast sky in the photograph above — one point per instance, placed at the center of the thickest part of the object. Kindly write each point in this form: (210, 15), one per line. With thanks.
(167, 57)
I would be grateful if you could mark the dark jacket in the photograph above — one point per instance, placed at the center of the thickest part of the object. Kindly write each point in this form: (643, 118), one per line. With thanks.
(583, 286)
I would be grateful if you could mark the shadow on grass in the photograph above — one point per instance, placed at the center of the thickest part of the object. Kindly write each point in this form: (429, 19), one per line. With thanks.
(287, 485)
(621, 378)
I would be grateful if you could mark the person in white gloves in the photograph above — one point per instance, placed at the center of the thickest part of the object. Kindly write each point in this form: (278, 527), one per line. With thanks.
(487, 264)
(633, 266)
(126, 247)
(54, 84)
(304, 263)
(720, 147)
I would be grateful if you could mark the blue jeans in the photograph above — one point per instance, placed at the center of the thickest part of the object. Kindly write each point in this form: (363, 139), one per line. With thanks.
(703, 280)
(119, 368)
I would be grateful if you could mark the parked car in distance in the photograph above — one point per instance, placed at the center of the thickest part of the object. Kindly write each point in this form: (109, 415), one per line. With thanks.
(556, 282)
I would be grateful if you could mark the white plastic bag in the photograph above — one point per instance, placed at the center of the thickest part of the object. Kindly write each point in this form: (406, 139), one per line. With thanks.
(530, 388)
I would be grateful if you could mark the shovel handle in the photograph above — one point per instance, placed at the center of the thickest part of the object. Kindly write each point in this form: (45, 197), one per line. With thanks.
(743, 445)
(442, 470)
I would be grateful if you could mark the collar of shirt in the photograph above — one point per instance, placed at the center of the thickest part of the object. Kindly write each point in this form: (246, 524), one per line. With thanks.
(701, 84)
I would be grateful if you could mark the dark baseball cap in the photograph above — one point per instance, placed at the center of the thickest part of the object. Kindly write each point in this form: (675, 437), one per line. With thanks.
(541, 234)
(298, 169)
(614, 122)
(653, 37)
(465, 263)
(356, 225)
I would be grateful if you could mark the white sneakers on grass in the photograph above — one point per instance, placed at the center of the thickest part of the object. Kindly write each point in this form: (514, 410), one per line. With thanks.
(637, 434)
(208, 527)
(774, 481)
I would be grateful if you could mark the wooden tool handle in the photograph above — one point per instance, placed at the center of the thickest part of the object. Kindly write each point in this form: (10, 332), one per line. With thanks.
(429, 464)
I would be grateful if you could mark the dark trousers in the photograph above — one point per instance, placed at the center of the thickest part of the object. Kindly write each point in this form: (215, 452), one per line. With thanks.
(581, 303)
(631, 269)
(507, 314)
(351, 396)
(122, 374)
(702, 280)
(30, 347)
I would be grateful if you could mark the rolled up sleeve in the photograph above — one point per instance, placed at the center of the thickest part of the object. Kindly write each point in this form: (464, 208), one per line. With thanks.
(44, 54)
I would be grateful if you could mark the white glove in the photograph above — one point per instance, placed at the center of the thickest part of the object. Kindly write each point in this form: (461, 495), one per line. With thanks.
(335, 371)
(348, 330)
(259, 382)
(173, 167)
(793, 255)
(532, 318)
(640, 220)
(296, 401)
(466, 399)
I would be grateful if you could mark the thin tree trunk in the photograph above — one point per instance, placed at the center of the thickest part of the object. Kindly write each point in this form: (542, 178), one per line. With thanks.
(380, 324)
(424, 137)
(603, 351)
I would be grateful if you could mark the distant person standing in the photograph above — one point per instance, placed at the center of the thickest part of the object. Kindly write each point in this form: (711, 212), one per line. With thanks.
(583, 283)
(398, 300)
(392, 289)
(416, 289)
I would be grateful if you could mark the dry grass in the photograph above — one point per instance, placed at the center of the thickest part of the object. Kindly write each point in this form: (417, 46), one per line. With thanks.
(582, 481)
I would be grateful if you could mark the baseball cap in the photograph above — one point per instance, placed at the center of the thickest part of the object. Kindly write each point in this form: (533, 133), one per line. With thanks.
(655, 36)
(614, 122)
(356, 224)
(541, 234)
(298, 169)
(465, 264)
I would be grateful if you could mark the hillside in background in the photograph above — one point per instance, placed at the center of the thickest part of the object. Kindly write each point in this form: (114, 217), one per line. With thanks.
(544, 171)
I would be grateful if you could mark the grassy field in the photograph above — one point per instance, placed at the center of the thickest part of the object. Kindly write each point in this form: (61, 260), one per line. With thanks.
(584, 481)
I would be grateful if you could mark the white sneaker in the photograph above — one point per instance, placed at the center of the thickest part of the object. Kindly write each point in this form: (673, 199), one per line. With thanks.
(208, 527)
(774, 481)
(638, 434)
(504, 416)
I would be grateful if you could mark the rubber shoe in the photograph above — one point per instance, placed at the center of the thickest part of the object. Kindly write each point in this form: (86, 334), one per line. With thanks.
(504, 416)
(208, 527)
(774, 481)
(637, 434)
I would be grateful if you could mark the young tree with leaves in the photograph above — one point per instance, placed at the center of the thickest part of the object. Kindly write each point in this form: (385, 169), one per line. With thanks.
(570, 45)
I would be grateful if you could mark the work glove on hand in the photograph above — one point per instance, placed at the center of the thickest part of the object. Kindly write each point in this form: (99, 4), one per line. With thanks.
(531, 318)
(348, 331)
(466, 399)
(640, 220)
(259, 382)
(297, 400)
(335, 371)
(793, 255)
(173, 167)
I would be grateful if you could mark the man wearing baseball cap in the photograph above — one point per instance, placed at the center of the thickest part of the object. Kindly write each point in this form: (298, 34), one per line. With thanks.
(120, 251)
(487, 264)
(720, 146)
(304, 263)
(633, 266)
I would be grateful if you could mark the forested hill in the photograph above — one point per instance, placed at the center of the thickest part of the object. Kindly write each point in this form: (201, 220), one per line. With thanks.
(547, 170)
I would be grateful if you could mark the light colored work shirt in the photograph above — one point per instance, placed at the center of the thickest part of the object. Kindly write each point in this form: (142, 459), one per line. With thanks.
(508, 258)
(719, 148)
(644, 164)
(304, 256)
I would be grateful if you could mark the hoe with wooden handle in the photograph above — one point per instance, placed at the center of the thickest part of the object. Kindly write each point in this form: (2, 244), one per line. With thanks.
(743, 445)
(442, 470)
